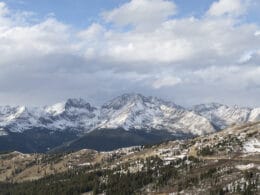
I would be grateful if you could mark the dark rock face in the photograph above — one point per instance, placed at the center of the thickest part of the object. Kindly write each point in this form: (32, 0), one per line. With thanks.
(78, 103)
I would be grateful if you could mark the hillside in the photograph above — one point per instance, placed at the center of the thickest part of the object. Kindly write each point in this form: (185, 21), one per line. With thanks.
(226, 162)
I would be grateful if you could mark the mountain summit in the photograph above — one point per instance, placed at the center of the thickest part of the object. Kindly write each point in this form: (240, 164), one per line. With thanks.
(131, 113)
(128, 111)
(222, 116)
(134, 111)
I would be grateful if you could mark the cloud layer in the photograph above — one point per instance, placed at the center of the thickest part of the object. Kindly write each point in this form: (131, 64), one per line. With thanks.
(228, 8)
(141, 46)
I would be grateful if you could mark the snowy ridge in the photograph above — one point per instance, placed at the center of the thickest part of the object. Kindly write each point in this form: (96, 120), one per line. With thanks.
(222, 116)
(72, 114)
(129, 111)
(255, 115)
(134, 111)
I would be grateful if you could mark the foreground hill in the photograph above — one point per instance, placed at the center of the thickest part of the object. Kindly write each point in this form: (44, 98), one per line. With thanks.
(75, 124)
(226, 162)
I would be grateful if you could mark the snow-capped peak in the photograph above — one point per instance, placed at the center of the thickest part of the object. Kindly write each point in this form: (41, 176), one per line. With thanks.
(135, 98)
(56, 109)
(254, 115)
(78, 103)
(70, 104)
(18, 118)
(18, 112)
(123, 100)
(134, 111)
(129, 111)
(221, 115)
(207, 107)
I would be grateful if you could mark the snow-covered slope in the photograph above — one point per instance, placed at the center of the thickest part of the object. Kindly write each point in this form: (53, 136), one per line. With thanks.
(18, 118)
(255, 115)
(74, 114)
(222, 116)
(134, 111)
(129, 111)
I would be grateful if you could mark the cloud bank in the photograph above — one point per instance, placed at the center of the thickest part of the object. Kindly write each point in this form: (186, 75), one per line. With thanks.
(140, 46)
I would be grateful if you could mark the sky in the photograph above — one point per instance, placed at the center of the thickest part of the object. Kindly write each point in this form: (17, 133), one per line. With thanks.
(182, 50)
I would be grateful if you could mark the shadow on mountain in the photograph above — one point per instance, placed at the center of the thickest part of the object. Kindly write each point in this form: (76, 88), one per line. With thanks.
(44, 140)
(110, 139)
(35, 140)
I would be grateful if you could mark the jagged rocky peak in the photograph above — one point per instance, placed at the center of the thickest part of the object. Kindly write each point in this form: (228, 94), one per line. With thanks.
(207, 107)
(71, 103)
(129, 111)
(122, 100)
(135, 111)
(255, 115)
(78, 103)
(9, 113)
(11, 110)
(136, 98)
(217, 106)
(223, 116)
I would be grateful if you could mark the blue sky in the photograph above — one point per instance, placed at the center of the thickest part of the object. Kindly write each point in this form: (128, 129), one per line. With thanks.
(81, 13)
(182, 50)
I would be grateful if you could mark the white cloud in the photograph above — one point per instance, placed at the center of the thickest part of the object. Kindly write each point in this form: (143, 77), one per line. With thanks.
(228, 7)
(166, 82)
(141, 14)
(257, 33)
(26, 42)
(246, 57)
(92, 32)
(148, 47)
(178, 42)
(205, 58)
(3, 9)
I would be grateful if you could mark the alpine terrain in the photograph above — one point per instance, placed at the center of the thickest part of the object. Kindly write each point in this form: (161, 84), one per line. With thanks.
(127, 120)
(225, 162)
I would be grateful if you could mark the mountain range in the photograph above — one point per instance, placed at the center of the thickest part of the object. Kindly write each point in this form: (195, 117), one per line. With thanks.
(143, 119)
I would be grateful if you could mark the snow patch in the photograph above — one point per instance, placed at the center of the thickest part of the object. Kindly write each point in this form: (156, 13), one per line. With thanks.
(246, 167)
(252, 146)
(56, 109)
(84, 164)
(3, 132)
(254, 115)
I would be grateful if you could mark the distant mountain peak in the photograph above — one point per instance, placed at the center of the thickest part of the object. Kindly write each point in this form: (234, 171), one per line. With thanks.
(128, 111)
(56, 109)
(124, 99)
(78, 103)
(135, 98)
(221, 115)
(71, 103)
(207, 106)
